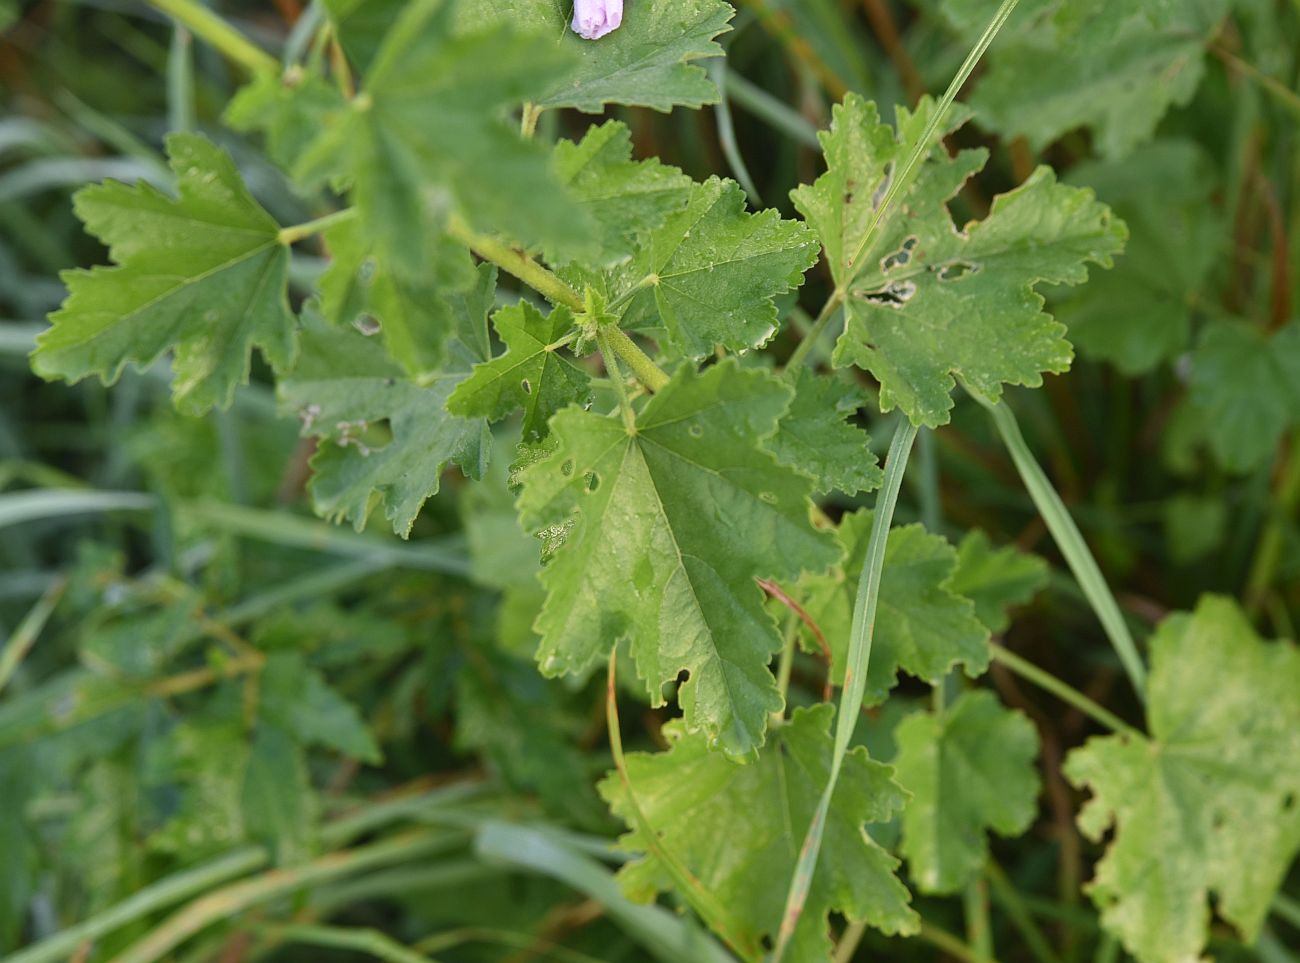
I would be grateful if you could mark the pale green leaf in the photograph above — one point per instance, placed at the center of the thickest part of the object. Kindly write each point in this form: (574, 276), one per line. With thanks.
(738, 828)
(817, 437)
(646, 62)
(922, 626)
(203, 274)
(1207, 808)
(532, 374)
(970, 772)
(664, 530)
(1245, 387)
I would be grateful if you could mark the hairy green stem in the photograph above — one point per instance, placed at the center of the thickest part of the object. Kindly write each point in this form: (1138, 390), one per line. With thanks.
(646, 371)
(516, 262)
(202, 22)
(1071, 543)
(1062, 690)
(297, 232)
(855, 677)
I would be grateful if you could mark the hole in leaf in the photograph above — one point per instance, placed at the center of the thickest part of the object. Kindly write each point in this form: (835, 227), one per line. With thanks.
(527, 386)
(894, 295)
(567, 468)
(683, 677)
(883, 187)
(367, 324)
(900, 257)
(956, 270)
(592, 481)
(696, 431)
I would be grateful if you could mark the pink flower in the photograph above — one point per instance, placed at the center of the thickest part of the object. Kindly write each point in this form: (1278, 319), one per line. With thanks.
(592, 19)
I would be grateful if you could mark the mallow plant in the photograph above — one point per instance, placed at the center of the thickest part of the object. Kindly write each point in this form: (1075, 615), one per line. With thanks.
(621, 365)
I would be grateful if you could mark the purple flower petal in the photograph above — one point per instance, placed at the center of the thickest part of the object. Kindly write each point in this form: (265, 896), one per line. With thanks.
(592, 19)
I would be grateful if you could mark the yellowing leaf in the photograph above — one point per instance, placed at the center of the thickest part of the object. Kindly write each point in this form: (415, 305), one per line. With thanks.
(1208, 806)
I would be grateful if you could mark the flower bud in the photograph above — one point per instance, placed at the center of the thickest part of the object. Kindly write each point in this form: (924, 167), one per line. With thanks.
(592, 19)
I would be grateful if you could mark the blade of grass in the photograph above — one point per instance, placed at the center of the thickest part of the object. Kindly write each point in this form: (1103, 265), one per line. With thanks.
(1070, 541)
(855, 677)
(666, 936)
(29, 629)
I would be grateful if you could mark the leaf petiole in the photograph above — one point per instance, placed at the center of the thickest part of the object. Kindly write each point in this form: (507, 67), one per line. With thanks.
(297, 232)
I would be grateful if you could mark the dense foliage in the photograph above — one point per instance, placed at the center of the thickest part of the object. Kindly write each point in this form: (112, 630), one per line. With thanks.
(684, 390)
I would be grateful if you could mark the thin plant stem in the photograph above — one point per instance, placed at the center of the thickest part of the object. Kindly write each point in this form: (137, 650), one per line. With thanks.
(297, 232)
(1268, 552)
(775, 113)
(1009, 898)
(528, 120)
(855, 678)
(824, 317)
(849, 942)
(369, 941)
(28, 631)
(979, 923)
(1062, 690)
(202, 22)
(727, 131)
(616, 376)
(785, 665)
(1071, 543)
(710, 908)
(950, 944)
(1280, 92)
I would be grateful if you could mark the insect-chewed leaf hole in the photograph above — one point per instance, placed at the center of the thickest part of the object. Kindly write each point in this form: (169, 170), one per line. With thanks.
(591, 481)
(527, 386)
(900, 257)
(955, 270)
